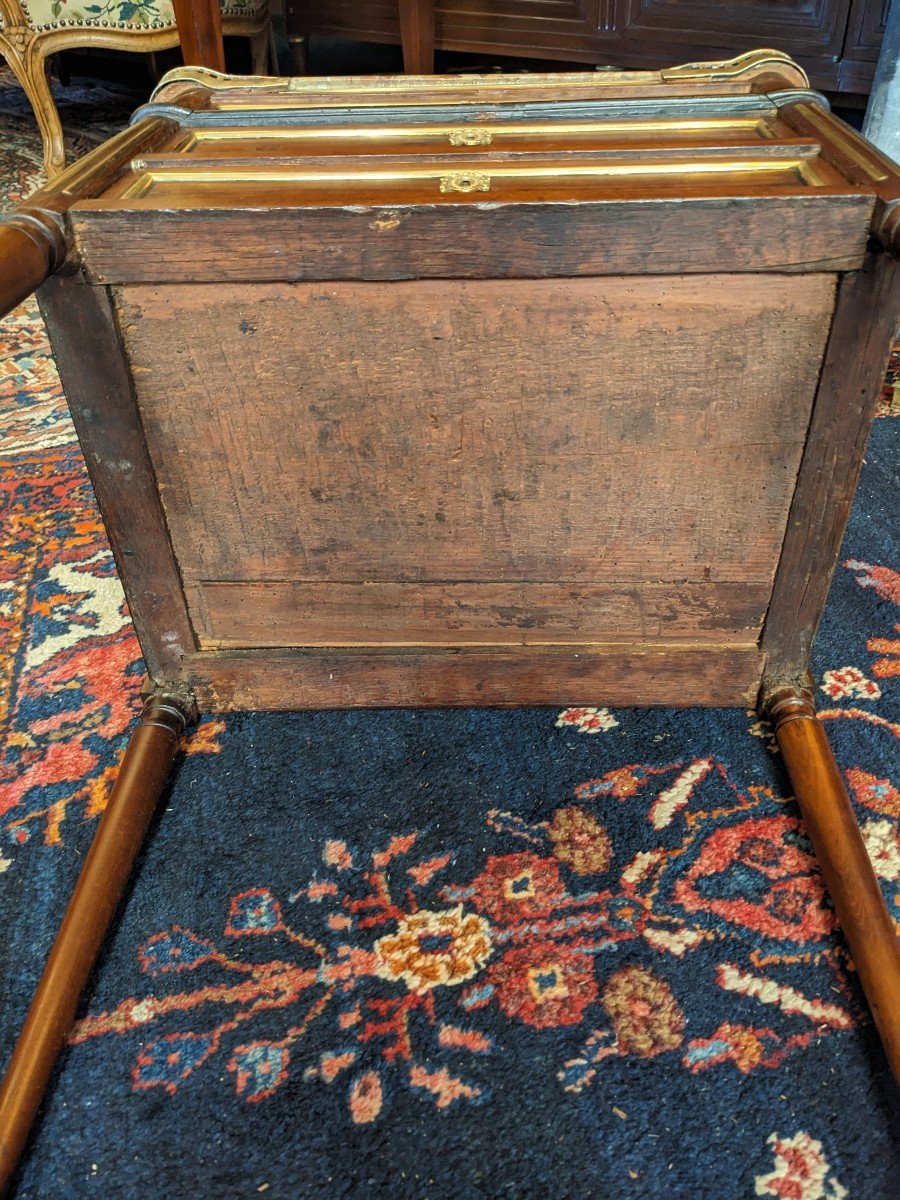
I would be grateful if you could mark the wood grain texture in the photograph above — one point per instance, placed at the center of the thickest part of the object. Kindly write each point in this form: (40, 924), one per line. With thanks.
(140, 781)
(200, 33)
(28, 253)
(857, 160)
(482, 431)
(229, 681)
(34, 237)
(816, 232)
(865, 319)
(759, 129)
(399, 614)
(841, 853)
(754, 71)
(417, 36)
(97, 383)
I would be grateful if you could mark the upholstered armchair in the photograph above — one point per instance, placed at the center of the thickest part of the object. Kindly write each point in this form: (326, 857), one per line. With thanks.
(31, 30)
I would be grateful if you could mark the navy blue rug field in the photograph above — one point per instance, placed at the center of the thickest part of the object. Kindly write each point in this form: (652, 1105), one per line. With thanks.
(483, 953)
(537, 953)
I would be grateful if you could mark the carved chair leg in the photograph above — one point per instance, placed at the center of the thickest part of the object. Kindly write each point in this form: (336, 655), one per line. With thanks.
(846, 868)
(21, 48)
(123, 826)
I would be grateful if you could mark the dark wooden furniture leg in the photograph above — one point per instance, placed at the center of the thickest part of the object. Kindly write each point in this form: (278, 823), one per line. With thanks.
(281, 43)
(123, 826)
(299, 57)
(200, 32)
(851, 881)
(417, 36)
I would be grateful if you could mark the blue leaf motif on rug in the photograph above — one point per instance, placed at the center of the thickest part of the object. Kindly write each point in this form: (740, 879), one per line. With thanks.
(259, 1068)
(172, 1059)
(177, 950)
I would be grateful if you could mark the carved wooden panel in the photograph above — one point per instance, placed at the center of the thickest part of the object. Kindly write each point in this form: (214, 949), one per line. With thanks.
(865, 32)
(864, 36)
(803, 26)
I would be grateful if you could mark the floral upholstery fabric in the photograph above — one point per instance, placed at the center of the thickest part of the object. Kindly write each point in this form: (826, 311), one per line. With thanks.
(120, 14)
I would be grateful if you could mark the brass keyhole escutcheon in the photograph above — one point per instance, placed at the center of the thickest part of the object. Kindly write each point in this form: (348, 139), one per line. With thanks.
(466, 181)
(471, 136)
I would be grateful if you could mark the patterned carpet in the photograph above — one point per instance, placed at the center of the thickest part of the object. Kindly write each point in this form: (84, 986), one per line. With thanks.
(538, 953)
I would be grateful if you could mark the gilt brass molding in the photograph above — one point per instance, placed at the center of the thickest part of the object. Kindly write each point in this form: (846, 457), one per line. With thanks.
(755, 64)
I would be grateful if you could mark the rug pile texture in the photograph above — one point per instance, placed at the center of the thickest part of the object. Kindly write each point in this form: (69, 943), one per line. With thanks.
(539, 953)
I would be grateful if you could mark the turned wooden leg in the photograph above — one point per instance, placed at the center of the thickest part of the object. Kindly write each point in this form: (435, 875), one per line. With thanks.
(819, 790)
(123, 826)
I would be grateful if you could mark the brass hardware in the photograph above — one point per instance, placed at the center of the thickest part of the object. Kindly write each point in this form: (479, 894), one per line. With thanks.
(753, 62)
(466, 181)
(472, 136)
(554, 132)
(780, 165)
(792, 158)
(745, 66)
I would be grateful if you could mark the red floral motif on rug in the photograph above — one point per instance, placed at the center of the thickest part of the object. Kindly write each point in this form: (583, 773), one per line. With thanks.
(380, 937)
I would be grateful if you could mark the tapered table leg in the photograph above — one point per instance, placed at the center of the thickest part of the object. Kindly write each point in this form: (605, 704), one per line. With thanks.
(123, 826)
(819, 790)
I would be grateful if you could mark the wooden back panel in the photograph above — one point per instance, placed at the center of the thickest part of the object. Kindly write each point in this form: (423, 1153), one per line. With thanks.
(459, 464)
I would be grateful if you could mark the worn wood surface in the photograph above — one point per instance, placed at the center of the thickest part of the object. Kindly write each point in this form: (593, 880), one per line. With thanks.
(857, 160)
(97, 383)
(480, 456)
(228, 681)
(388, 242)
(754, 71)
(483, 431)
(29, 248)
(283, 613)
(34, 236)
(758, 129)
(496, 178)
(865, 319)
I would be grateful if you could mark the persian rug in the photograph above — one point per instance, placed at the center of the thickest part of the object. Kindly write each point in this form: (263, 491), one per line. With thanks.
(537, 953)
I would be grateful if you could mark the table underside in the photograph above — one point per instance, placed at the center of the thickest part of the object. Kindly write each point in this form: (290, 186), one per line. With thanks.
(476, 491)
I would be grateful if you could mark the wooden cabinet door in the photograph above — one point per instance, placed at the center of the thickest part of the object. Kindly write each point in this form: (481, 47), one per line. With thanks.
(806, 28)
(624, 32)
(809, 28)
(865, 32)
